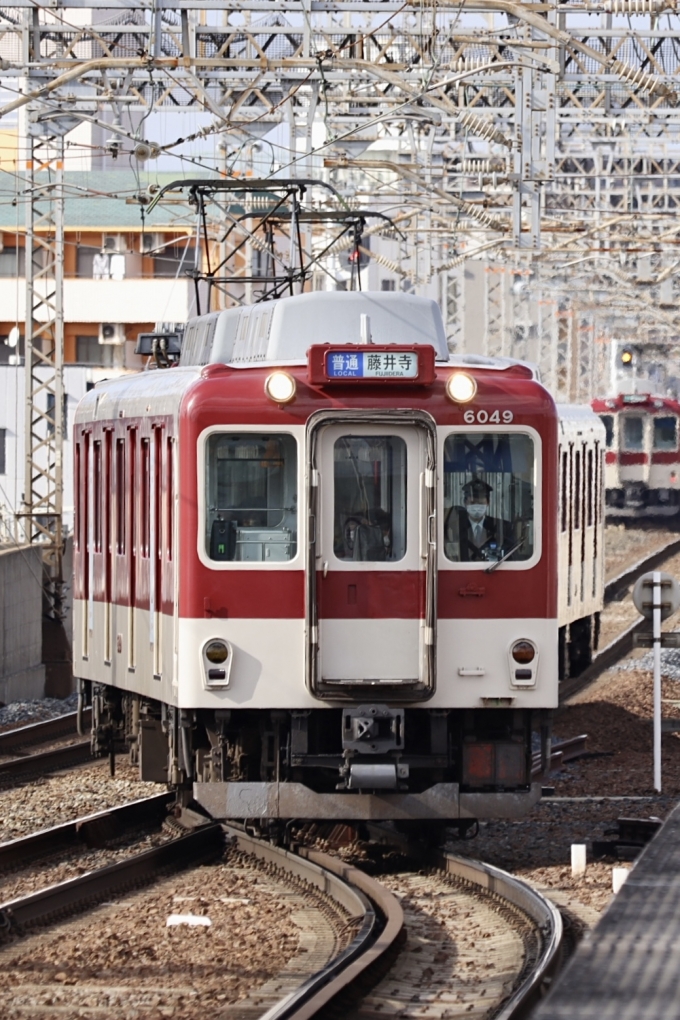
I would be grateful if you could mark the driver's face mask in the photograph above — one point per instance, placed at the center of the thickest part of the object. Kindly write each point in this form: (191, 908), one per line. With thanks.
(477, 511)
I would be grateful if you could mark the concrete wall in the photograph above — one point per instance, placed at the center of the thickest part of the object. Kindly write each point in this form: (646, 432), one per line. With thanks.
(22, 674)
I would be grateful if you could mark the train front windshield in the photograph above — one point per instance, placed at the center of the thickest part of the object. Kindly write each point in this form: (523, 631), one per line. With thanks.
(488, 496)
(370, 476)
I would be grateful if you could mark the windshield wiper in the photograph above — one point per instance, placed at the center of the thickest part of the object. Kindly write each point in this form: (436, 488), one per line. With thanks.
(508, 554)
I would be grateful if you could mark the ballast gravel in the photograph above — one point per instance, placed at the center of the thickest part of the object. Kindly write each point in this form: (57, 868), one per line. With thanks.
(23, 713)
(123, 960)
(74, 863)
(462, 955)
(624, 547)
(617, 616)
(61, 797)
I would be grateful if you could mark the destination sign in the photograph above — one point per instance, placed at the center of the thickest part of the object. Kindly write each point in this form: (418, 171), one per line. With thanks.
(354, 364)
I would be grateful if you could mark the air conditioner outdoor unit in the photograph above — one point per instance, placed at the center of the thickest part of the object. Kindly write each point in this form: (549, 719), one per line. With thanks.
(149, 243)
(114, 243)
(111, 333)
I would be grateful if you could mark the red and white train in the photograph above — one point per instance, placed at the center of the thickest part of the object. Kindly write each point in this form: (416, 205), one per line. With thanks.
(316, 564)
(642, 473)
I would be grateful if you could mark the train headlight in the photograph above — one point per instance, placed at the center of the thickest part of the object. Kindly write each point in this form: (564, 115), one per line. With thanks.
(280, 387)
(216, 652)
(523, 651)
(460, 387)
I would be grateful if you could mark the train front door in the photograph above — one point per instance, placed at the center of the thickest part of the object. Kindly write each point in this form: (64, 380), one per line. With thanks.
(372, 557)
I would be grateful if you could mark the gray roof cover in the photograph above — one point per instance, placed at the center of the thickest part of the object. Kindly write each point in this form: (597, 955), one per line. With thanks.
(282, 331)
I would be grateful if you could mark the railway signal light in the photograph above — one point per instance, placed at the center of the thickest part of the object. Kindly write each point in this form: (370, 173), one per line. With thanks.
(627, 357)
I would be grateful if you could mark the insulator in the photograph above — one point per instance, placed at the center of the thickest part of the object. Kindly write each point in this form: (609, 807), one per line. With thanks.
(483, 128)
(480, 166)
(490, 222)
(384, 262)
(470, 63)
(638, 6)
(639, 79)
(261, 245)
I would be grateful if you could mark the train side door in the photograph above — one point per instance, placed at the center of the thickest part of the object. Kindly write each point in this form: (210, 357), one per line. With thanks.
(371, 604)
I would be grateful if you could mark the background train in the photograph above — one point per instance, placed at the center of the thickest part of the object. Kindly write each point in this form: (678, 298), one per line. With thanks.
(316, 564)
(642, 469)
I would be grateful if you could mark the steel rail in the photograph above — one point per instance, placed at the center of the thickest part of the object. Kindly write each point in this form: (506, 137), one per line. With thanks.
(40, 732)
(375, 911)
(372, 910)
(45, 761)
(560, 751)
(90, 831)
(623, 643)
(19, 915)
(544, 914)
(628, 576)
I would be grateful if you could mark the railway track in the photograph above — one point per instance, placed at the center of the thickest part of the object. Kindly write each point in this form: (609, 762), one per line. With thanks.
(21, 737)
(623, 643)
(92, 831)
(29, 756)
(369, 946)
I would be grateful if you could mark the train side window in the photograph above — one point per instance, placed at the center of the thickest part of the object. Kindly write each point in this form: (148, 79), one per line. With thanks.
(120, 497)
(251, 497)
(564, 517)
(145, 516)
(633, 434)
(369, 475)
(608, 422)
(665, 433)
(590, 488)
(577, 490)
(170, 496)
(97, 496)
(78, 495)
(489, 496)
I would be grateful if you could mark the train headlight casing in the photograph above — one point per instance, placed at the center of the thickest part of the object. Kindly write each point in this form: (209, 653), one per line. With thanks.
(280, 387)
(460, 388)
(216, 661)
(523, 660)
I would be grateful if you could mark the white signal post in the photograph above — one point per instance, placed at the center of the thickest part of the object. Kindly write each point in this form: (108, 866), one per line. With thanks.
(656, 633)
(665, 601)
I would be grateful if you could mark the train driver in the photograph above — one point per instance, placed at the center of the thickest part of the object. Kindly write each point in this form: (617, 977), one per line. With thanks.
(470, 532)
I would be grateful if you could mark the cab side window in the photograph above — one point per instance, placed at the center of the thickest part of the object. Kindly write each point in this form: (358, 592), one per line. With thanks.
(665, 433)
(488, 497)
(251, 497)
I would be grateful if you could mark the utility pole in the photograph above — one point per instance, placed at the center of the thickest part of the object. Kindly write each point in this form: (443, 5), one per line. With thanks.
(44, 370)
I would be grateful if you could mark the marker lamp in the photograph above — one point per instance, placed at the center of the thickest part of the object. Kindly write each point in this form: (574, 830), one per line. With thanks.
(216, 652)
(523, 651)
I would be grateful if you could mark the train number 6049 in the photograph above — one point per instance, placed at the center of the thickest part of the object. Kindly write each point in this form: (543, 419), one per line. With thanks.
(483, 417)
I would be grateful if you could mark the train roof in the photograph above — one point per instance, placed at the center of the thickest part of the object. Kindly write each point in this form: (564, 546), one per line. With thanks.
(636, 402)
(578, 420)
(281, 332)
